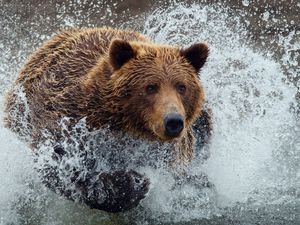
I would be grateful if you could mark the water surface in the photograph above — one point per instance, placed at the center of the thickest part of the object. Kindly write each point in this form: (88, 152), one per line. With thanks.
(251, 81)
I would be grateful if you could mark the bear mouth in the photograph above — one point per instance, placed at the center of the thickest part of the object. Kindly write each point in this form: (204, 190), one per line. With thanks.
(166, 137)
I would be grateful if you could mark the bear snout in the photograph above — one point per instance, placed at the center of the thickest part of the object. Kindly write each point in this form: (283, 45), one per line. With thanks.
(174, 124)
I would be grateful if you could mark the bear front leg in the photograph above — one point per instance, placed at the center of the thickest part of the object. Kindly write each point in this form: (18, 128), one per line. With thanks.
(115, 191)
(203, 127)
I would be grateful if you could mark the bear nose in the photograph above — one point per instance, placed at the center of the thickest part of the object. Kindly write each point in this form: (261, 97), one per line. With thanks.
(173, 124)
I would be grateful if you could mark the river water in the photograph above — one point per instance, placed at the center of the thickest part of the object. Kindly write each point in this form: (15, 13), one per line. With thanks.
(251, 87)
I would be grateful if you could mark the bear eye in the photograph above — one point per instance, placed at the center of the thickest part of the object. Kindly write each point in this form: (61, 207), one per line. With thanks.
(181, 88)
(152, 89)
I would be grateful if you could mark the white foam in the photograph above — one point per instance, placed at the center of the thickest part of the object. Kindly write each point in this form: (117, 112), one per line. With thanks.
(16, 167)
(244, 88)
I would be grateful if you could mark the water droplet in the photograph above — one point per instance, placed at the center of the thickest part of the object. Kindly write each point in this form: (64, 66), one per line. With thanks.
(266, 16)
(245, 3)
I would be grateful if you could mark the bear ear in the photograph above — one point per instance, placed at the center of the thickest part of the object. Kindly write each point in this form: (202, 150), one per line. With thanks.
(120, 52)
(196, 55)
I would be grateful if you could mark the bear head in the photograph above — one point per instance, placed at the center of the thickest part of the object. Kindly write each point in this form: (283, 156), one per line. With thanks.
(156, 89)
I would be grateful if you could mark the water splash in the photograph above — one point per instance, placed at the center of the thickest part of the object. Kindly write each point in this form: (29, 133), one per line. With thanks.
(255, 150)
(250, 102)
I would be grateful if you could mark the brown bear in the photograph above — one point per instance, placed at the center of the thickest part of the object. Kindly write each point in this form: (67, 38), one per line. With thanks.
(116, 78)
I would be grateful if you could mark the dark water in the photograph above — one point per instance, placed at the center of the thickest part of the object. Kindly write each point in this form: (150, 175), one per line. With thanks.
(251, 82)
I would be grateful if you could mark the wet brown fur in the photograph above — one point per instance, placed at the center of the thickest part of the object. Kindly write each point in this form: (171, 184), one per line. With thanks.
(74, 75)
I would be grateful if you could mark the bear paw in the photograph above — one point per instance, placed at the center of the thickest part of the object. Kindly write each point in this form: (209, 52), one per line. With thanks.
(119, 191)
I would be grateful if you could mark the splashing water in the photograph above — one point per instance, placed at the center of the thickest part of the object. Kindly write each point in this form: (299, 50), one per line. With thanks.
(254, 153)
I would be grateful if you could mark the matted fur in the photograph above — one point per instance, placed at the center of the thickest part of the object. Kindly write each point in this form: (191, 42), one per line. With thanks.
(71, 75)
